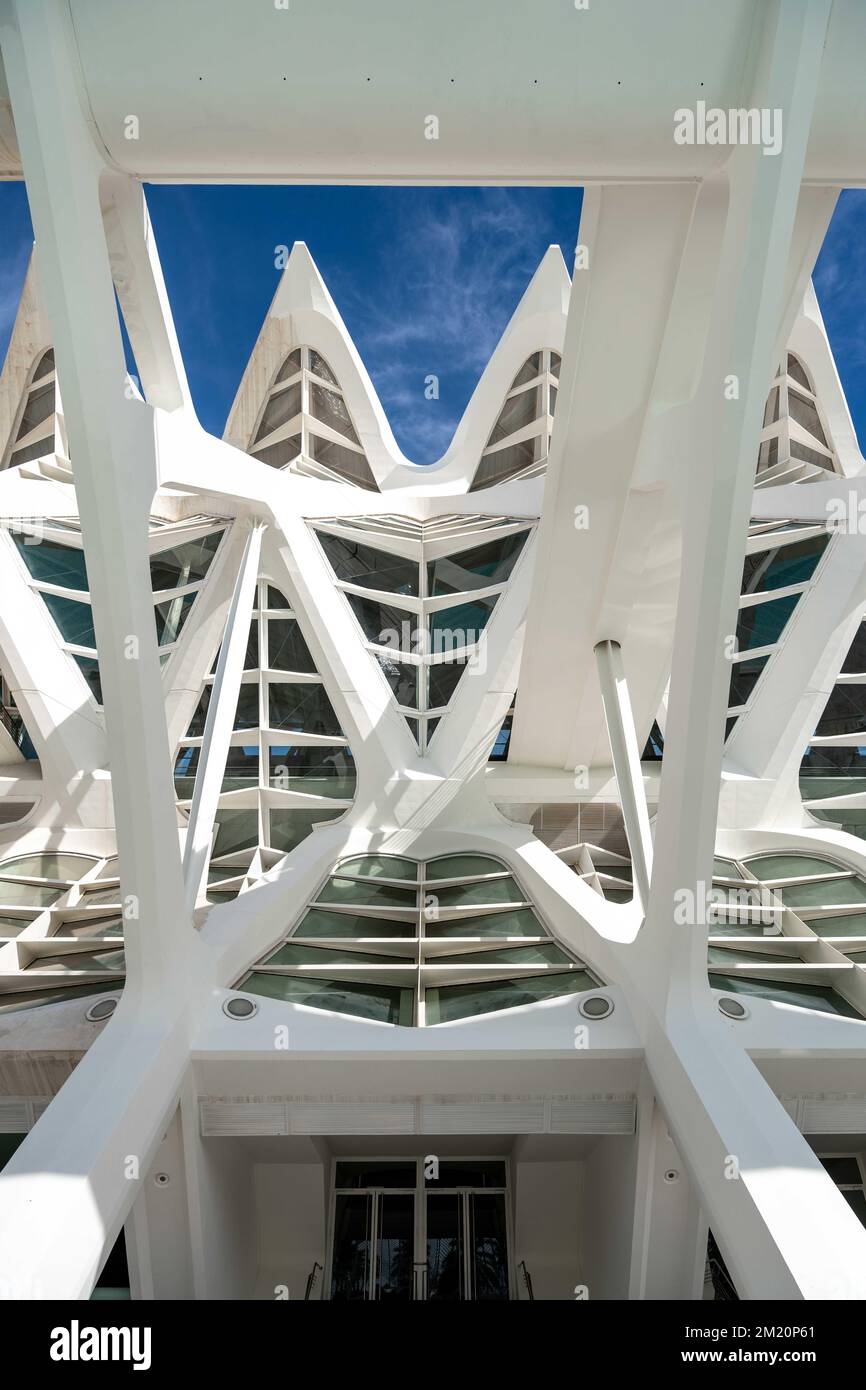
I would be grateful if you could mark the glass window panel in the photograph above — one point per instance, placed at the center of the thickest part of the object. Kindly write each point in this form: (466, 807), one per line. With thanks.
(789, 564)
(553, 400)
(396, 628)
(89, 667)
(319, 367)
(27, 894)
(517, 412)
(287, 650)
(462, 866)
(75, 620)
(44, 366)
(402, 678)
(11, 926)
(326, 957)
(771, 409)
(845, 1169)
(843, 890)
(320, 922)
(468, 1172)
(353, 1247)
(848, 924)
(451, 1002)
(51, 563)
(461, 626)
(368, 567)
(318, 769)
(289, 828)
(844, 712)
(443, 677)
(483, 565)
(488, 1234)
(374, 1174)
(555, 363)
(541, 953)
(352, 894)
(379, 866)
(445, 1257)
(348, 464)
(381, 1003)
(762, 624)
(276, 599)
(281, 408)
(530, 369)
(251, 656)
(197, 723)
(81, 960)
(855, 660)
(330, 408)
(857, 1203)
(67, 866)
(499, 467)
(236, 830)
(797, 372)
(183, 564)
(170, 618)
(768, 453)
(767, 866)
(301, 708)
(726, 868)
(247, 712)
(39, 407)
(499, 751)
(520, 922)
(806, 414)
(496, 890)
(291, 365)
(802, 453)
(818, 997)
(279, 454)
(242, 768)
(744, 677)
(396, 1247)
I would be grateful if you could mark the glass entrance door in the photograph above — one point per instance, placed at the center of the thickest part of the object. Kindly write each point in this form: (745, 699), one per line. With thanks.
(399, 1232)
(467, 1246)
(374, 1231)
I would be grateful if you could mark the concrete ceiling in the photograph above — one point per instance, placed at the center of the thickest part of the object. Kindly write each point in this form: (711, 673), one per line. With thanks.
(540, 93)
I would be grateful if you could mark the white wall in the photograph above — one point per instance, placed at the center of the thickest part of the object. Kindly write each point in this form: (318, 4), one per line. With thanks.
(290, 1213)
(547, 1226)
(608, 1216)
(228, 1219)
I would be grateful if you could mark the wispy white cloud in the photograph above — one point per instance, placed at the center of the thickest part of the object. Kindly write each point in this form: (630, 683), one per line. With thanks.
(453, 272)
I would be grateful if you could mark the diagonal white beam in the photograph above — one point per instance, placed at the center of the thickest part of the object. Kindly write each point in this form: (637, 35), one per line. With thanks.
(220, 719)
(626, 762)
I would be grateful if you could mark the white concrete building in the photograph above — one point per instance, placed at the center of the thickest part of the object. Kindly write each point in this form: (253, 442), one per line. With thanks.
(356, 939)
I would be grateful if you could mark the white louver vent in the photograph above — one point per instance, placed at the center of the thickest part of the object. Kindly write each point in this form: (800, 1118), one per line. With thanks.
(485, 1115)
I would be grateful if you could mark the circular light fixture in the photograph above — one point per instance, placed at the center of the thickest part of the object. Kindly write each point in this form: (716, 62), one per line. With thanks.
(101, 1010)
(239, 1007)
(596, 1006)
(732, 1008)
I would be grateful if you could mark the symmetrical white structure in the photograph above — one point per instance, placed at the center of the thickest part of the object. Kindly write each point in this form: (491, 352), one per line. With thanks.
(393, 1020)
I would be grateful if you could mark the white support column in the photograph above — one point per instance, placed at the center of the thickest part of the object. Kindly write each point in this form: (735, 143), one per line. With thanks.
(220, 719)
(72, 1183)
(721, 1112)
(626, 762)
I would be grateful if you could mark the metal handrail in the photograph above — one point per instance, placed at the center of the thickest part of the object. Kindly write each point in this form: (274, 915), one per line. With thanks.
(312, 1278)
(527, 1279)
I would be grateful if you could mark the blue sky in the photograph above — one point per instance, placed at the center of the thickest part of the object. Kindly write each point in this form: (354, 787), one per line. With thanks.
(425, 278)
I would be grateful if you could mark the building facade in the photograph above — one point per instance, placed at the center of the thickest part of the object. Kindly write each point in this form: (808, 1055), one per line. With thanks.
(435, 883)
